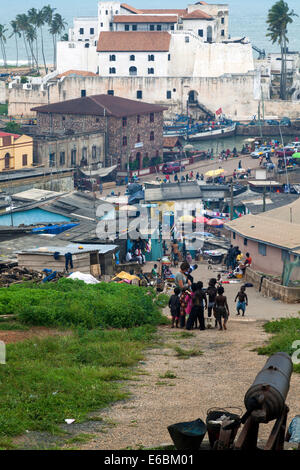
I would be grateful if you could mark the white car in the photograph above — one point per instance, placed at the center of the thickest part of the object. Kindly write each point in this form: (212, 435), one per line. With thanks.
(262, 151)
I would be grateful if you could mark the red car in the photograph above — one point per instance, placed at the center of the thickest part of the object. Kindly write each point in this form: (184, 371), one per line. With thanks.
(172, 167)
(288, 152)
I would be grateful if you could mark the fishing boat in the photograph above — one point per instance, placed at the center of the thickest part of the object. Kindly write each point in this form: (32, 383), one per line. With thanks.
(211, 133)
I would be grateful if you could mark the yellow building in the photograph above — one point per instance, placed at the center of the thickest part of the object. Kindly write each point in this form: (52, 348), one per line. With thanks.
(16, 151)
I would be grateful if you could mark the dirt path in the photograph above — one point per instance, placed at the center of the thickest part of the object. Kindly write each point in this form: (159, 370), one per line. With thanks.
(220, 377)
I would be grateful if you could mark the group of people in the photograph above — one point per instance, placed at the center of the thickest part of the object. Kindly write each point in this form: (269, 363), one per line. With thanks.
(190, 300)
(234, 259)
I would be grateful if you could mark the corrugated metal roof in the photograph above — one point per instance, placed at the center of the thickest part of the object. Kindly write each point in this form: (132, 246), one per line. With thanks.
(71, 248)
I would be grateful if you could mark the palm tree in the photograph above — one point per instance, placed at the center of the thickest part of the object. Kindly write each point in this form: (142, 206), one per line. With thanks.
(17, 34)
(22, 23)
(56, 29)
(30, 35)
(279, 17)
(48, 13)
(3, 30)
(40, 22)
(32, 16)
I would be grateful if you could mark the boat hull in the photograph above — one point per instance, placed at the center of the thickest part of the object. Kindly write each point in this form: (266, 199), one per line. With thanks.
(213, 134)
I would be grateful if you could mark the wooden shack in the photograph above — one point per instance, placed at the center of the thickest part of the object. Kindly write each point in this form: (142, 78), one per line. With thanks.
(88, 259)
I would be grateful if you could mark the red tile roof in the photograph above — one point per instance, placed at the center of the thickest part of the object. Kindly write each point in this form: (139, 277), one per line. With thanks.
(133, 41)
(145, 19)
(171, 142)
(6, 134)
(100, 105)
(79, 73)
(165, 11)
(197, 14)
(130, 8)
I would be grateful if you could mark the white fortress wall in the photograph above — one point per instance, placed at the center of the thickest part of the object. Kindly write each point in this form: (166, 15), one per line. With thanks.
(75, 56)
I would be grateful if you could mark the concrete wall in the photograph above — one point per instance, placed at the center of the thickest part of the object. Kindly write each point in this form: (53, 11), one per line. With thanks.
(272, 289)
(123, 63)
(234, 93)
(282, 108)
(62, 182)
(3, 92)
(75, 56)
(18, 147)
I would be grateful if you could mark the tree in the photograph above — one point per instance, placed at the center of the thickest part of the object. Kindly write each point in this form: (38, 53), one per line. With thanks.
(30, 35)
(22, 23)
(17, 34)
(279, 17)
(12, 127)
(65, 37)
(3, 30)
(32, 16)
(58, 25)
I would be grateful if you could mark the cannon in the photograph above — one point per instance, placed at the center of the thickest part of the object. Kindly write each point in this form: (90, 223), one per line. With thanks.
(265, 402)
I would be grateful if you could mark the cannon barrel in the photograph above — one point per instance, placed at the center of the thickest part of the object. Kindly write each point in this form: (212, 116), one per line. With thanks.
(265, 399)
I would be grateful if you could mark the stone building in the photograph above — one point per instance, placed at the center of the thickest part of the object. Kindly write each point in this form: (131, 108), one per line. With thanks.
(132, 130)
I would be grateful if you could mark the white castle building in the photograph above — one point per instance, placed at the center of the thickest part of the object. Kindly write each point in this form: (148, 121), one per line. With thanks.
(124, 41)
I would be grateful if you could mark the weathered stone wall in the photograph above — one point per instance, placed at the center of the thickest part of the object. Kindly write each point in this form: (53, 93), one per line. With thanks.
(3, 93)
(272, 289)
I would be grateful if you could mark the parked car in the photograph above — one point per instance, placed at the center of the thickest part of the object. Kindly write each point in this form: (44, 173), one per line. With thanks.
(261, 151)
(272, 122)
(287, 151)
(171, 168)
(285, 121)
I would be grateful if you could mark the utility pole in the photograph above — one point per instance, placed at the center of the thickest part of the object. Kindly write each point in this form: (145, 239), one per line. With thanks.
(231, 201)
(264, 199)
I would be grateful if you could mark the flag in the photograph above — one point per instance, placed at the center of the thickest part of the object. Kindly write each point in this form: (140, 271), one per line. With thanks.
(219, 111)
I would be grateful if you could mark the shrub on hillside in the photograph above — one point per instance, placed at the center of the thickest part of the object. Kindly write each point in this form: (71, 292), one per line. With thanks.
(69, 302)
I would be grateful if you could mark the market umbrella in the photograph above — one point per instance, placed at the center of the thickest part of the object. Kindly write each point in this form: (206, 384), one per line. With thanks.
(186, 218)
(296, 155)
(215, 223)
(188, 147)
(213, 173)
(200, 220)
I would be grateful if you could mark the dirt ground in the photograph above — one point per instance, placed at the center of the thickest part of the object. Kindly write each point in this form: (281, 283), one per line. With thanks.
(33, 332)
(219, 377)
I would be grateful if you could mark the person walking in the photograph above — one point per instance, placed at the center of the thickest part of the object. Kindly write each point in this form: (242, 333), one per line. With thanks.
(242, 301)
(198, 301)
(174, 306)
(181, 280)
(221, 309)
(211, 293)
(185, 303)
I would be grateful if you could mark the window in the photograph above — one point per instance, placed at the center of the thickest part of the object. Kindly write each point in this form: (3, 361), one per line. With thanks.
(92, 31)
(81, 31)
(285, 256)
(139, 94)
(138, 119)
(87, 45)
(73, 157)
(200, 33)
(94, 152)
(245, 242)
(187, 39)
(132, 71)
(24, 160)
(124, 141)
(110, 92)
(152, 135)
(222, 20)
(101, 24)
(83, 93)
(132, 58)
(112, 58)
(124, 121)
(233, 236)
(223, 33)
(151, 117)
(106, 12)
(172, 27)
(62, 158)
(52, 159)
(97, 120)
(150, 71)
(126, 27)
(262, 249)
(150, 58)
(158, 27)
(134, 27)
(169, 56)
(169, 94)
(110, 25)
(151, 27)
(112, 70)
(138, 139)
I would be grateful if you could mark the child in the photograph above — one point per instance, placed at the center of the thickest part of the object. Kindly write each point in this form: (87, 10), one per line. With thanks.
(154, 271)
(174, 305)
(211, 292)
(221, 309)
(185, 305)
(242, 301)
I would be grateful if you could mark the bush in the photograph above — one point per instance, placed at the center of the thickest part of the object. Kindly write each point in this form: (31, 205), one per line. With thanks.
(74, 303)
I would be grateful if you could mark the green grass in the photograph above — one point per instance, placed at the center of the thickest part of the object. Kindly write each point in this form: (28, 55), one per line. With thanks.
(285, 332)
(168, 375)
(6, 326)
(187, 353)
(74, 303)
(48, 380)
(4, 109)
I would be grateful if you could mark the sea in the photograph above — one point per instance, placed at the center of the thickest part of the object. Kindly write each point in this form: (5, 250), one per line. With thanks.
(247, 18)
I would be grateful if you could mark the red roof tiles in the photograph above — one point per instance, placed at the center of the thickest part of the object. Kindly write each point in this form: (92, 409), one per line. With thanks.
(145, 19)
(136, 41)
